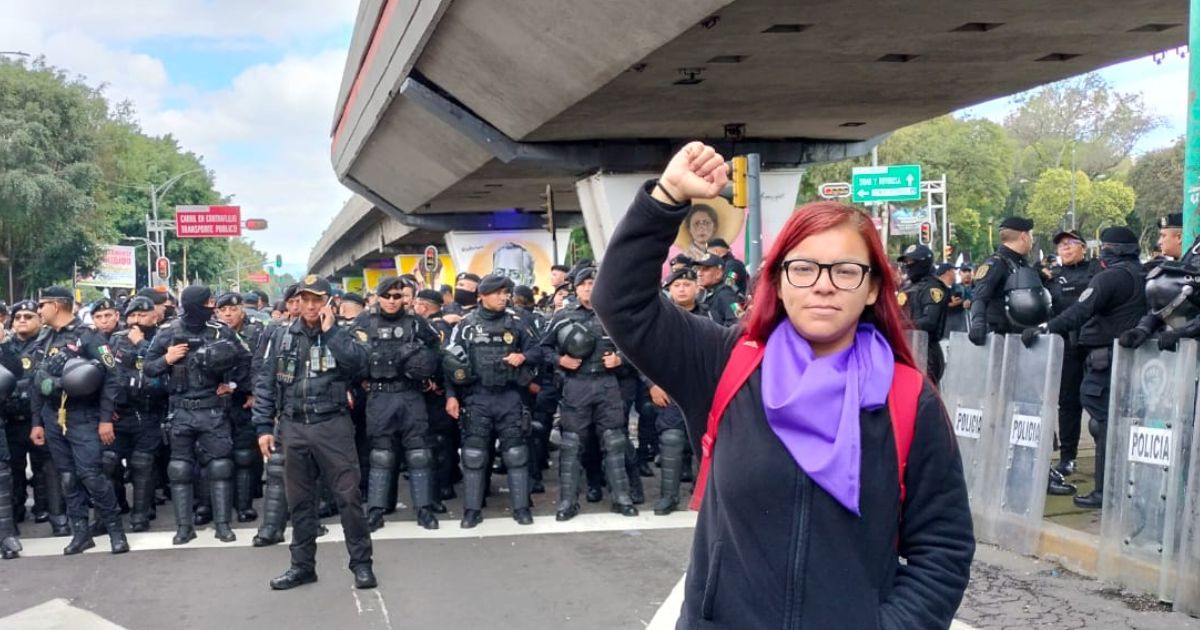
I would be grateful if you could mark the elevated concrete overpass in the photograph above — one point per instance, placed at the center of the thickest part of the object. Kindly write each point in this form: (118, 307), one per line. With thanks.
(461, 107)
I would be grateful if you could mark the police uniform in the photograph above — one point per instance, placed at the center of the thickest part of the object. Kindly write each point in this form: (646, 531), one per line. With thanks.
(926, 299)
(443, 432)
(720, 300)
(10, 543)
(199, 419)
(304, 381)
(141, 409)
(246, 459)
(591, 402)
(1173, 297)
(17, 412)
(403, 356)
(1008, 292)
(1112, 303)
(75, 358)
(490, 391)
(1066, 284)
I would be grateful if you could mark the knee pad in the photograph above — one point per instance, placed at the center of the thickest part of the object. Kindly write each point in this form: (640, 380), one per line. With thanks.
(243, 458)
(474, 458)
(220, 469)
(613, 440)
(672, 438)
(419, 458)
(1096, 428)
(141, 460)
(275, 465)
(179, 471)
(570, 441)
(108, 462)
(68, 479)
(516, 456)
(382, 458)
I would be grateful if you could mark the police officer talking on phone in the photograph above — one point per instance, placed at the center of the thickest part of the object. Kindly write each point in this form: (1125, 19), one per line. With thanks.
(307, 372)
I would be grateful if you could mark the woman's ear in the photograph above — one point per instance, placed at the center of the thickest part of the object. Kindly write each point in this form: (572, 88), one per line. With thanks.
(872, 291)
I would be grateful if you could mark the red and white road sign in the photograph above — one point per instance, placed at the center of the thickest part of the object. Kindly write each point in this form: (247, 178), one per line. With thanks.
(259, 277)
(207, 221)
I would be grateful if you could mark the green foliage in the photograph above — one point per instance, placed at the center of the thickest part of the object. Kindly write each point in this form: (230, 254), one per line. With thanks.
(1098, 204)
(1157, 177)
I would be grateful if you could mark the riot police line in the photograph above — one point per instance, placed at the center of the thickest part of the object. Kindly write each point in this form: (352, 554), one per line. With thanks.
(142, 408)
(1112, 336)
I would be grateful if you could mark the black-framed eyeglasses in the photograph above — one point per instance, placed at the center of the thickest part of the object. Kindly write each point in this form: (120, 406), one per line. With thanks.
(391, 296)
(803, 273)
(21, 316)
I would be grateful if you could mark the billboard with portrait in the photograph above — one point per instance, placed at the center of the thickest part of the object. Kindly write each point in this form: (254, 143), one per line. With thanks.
(522, 255)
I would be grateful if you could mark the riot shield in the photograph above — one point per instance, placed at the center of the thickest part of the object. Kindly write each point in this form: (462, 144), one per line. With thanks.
(1187, 586)
(918, 342)
(1151, 415)
(969, 393)
(1028, 403)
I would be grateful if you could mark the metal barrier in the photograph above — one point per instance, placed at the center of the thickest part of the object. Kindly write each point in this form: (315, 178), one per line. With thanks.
(969, 392)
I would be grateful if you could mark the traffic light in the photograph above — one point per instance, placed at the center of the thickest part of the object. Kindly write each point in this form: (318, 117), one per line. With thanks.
(926, 236)
(278, 260)
(737, 177)
(162, 267)
(256, 224)
(947, 252)
(548, 204)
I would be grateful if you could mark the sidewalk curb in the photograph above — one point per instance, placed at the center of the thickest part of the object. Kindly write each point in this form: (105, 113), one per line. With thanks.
(1076, 551)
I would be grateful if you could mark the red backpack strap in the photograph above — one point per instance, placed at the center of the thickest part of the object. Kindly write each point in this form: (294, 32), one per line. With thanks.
(746, 356)
(907, 383)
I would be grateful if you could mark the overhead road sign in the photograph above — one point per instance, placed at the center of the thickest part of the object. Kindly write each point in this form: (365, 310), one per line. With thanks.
(873, 184)
(834, 190)
(207, 221)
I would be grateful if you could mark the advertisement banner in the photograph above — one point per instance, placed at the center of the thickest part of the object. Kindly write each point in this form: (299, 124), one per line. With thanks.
(117, 269)
(442, 273)
(371, 276)
(207, 221)
(523, 255)
(353, 284)
(709, 219)
(907, 221)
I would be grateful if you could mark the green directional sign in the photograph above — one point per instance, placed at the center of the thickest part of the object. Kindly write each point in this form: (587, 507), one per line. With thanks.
(886, 183)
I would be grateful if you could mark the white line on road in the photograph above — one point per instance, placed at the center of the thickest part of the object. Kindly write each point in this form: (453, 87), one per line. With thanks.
(394, 530)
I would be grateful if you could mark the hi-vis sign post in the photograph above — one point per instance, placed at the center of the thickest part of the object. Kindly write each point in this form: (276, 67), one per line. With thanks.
(875, 184)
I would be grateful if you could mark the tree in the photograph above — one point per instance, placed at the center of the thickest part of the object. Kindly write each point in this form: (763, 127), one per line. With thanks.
(1098, 204)
(1157, 178)
(1084, 115)
(48, 174)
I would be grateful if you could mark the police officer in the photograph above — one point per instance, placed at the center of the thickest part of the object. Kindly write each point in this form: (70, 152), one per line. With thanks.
(466, 297)
(350, 307)
(231, 312)
(735, 272)
(10, 366)
(719, 299)
(308, 366)
(925, 298)
(204, 362)
(442, 430)
(141, 409)
(403, 356)
(1112, 303)
(1173, 316)
(591, 398)
(488, 364)
(77, 393)
(18, 410)
(1066, 283)
(1008, 293)
(106, 318)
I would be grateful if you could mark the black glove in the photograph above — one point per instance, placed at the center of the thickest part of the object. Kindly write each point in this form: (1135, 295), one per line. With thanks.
(977, 336)
(1168, 340)
(1133, 338)
(1029, 336)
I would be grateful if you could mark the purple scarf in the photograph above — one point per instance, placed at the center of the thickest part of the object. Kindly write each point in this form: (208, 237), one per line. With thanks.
(813, 404)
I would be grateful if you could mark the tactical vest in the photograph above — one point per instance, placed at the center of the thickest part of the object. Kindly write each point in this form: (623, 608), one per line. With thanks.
(919, 296)
(307, 381)
(188, 375)
(391, 343)
(488, 341)
(1102, 329)
(137, 389)
(56, 349)
(17, 407)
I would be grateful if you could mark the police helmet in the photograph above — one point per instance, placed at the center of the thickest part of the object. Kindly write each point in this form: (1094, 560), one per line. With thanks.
(575, 340)
(217, 357)
(457, 365)
(8, 383)
(81, 378)
(421, 365)
(1028, 307)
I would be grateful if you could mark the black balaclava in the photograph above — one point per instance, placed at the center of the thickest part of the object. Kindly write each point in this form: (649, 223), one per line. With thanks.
(465, 298)
(195, 312)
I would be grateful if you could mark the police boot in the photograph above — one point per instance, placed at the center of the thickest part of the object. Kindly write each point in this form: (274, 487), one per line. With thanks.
(1058, 486)
(141, 465)
(243, 461)
(110, 465)
(614, 468)
(670, 446)
(116, 536)
(569, 470)
(179, 473)
(81, 538)
(380, 480)
(1095, 499)
(55, 503)
(10, 545)
(420, 481)
(475, 479)
(636, 493)
(516, 460)
(98, 526)
(220, 478)
(41, 512)
(203, 498)
(275, 509)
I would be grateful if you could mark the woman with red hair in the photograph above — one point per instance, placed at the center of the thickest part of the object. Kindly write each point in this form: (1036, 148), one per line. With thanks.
(809, 505)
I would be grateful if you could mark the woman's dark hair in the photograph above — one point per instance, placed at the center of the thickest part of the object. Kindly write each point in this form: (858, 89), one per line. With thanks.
(813, 218)
(700, 208)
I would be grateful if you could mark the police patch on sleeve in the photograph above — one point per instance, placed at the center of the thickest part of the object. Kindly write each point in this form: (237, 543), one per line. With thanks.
(106, 356)
(1087, 293)
(902, 298)
(26, 363)
(362, 335)
(982, 271)
(937, 295)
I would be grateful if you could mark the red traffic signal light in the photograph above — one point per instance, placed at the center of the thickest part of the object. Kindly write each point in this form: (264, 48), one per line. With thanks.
(926, 233)
(256, 224)
(162, 267)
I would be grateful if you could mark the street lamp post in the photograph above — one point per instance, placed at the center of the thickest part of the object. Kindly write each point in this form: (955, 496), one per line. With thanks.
(158, 228)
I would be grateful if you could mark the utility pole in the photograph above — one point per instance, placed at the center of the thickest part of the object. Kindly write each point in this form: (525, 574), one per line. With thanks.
(1191, 173)
(1072, 184)
(754, 208)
